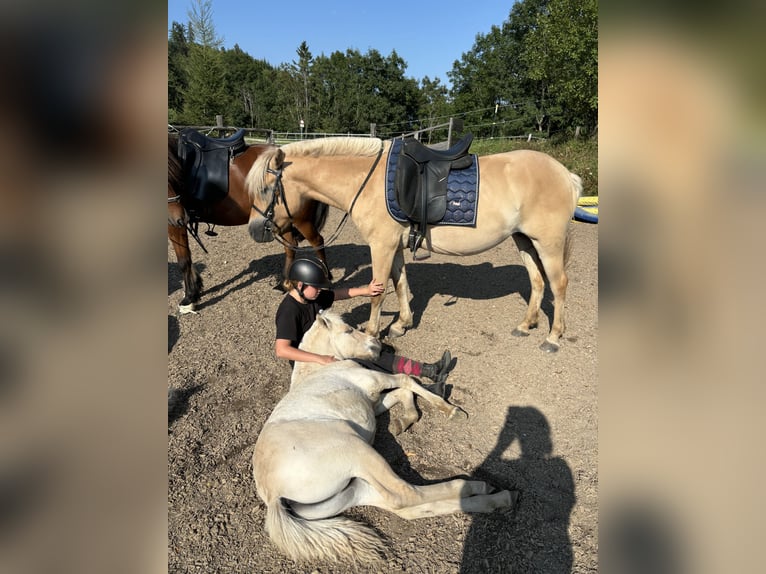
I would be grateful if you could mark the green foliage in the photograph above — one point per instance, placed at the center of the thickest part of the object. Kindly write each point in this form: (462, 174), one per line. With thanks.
(205, 95)
(535, 73)
(562, 51)
(178, 51)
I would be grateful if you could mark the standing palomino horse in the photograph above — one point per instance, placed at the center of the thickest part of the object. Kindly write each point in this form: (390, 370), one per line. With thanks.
(314, 457)
(523, 194)
(234, 208)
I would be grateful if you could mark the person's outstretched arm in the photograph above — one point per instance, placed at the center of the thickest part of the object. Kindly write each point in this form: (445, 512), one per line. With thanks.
(284, 350)
(373, 289)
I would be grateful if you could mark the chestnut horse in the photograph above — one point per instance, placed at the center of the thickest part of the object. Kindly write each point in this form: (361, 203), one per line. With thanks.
(234, 209)
(523, 194)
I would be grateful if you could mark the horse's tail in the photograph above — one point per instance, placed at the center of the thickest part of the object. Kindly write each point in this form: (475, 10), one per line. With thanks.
(335, 539)
(576, 190)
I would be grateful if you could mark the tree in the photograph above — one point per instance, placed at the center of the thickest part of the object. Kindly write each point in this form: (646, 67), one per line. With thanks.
(434, 106)
(245, 88)
(538, 70)
(204, 96)
(178, 52)
(492, 80)
(302, 70)
(562, 51)
(201, 24)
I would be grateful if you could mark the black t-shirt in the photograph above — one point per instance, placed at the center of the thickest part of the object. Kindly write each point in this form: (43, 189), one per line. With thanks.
(295, 318)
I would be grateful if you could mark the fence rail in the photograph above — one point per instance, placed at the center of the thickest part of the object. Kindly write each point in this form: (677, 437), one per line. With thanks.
(264, 135)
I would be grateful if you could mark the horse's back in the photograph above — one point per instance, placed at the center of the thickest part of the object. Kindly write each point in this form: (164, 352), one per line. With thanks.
(528, 178)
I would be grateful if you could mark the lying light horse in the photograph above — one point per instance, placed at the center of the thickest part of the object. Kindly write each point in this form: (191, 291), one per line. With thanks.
(522, 194)
(185, 212)
(313, 458)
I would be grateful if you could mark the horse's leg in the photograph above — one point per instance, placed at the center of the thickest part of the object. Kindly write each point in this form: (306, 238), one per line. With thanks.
(537, 283)
(544, 259)
(408, 417)
(292, 245)
(191, 278)
(384, 381)
(376, 484)
(381, 270)
(552, 258)
(402, 287)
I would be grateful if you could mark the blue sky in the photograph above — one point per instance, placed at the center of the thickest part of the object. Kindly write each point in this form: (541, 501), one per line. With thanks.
(428, 35)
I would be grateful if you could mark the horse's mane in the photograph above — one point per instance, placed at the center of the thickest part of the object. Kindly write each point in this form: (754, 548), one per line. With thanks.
(340, 145)
(254, 179)
(356, 146)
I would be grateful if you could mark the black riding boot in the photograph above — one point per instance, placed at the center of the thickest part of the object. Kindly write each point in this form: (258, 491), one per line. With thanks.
(438, 371)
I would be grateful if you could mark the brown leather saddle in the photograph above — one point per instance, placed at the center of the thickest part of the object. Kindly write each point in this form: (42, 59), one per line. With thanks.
(421, 183)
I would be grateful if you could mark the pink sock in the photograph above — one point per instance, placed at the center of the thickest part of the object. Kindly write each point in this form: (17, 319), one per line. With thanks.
(407, 366)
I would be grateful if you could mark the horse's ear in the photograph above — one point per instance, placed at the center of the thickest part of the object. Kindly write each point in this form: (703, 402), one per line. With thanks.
(278, 159)
(322, 319)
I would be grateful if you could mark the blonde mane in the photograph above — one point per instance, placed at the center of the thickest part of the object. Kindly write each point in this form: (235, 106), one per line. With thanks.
(333, 146)
(257, 173)
(357, 146)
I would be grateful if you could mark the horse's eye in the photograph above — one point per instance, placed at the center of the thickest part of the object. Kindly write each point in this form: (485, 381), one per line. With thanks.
(349, 330)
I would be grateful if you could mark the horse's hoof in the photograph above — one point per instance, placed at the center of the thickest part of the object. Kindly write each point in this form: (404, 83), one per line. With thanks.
(458, 414)
(185, 309)
(519, 333)
(394, 332)
(549, 347)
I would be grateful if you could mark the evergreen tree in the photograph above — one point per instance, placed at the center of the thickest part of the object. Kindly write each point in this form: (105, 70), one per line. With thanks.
(178, 51)
(301, 72)
(204, 96)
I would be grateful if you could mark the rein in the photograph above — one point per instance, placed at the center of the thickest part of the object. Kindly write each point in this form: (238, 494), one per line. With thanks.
(269, 215)
(191, 226)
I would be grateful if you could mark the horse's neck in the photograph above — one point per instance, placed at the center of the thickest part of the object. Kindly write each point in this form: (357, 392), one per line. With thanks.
(337, 192)
(302, 369)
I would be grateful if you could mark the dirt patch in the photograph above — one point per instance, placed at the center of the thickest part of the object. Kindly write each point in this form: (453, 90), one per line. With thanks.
(532, 423)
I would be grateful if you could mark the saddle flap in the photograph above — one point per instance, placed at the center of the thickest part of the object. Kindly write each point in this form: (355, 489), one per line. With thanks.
(205, 163)
(412, 189)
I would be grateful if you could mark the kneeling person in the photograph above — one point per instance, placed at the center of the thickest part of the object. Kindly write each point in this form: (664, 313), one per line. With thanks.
(311, 293)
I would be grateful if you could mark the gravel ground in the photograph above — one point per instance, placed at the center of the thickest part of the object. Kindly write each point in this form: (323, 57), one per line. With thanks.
(532, 426)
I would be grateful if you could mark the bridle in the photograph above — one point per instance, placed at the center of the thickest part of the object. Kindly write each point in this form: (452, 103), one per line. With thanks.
(278, 194)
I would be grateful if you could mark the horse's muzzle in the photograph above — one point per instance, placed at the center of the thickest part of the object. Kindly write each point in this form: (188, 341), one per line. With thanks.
(375, 347)
(261, 230)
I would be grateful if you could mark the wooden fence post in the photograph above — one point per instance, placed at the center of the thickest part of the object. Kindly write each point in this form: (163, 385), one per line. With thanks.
(455, 127)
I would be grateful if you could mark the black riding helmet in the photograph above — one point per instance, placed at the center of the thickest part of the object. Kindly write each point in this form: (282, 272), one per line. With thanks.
(310, 272)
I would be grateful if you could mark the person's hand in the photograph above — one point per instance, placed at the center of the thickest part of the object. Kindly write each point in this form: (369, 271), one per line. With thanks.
(326, 359)
(375, 288)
